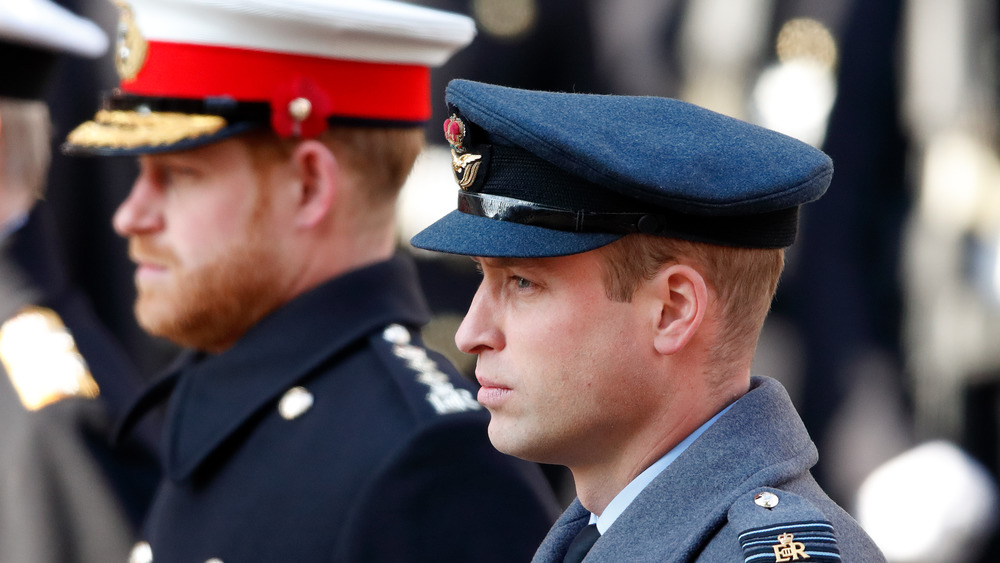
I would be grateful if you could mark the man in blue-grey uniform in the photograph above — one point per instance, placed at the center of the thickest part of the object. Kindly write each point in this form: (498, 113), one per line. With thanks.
(65, 493)
(308, 422)
(630, 248)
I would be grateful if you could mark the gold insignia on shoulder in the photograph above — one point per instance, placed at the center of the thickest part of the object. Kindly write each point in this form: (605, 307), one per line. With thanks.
(788, 549)
(130, 46)
(42, 360)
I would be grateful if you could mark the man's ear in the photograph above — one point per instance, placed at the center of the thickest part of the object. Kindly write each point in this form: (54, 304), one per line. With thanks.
(682, 294)
(319, 176)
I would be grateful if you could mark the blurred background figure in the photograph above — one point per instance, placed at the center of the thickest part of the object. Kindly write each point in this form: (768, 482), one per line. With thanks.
(65, 495)
(951, 274)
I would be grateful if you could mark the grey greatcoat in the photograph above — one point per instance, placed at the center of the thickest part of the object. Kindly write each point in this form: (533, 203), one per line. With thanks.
(65, 494)
(702, 507)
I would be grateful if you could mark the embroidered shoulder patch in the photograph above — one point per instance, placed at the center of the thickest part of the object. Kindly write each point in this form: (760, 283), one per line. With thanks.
(800, 541)
(442, 395)
(41, 359)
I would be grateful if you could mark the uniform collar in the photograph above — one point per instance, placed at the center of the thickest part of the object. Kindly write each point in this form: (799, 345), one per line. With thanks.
(213, 397)
(624, 498)
(690, 498)
(697, 484)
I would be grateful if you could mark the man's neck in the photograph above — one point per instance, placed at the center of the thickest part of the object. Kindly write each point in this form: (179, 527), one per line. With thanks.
(599, 482)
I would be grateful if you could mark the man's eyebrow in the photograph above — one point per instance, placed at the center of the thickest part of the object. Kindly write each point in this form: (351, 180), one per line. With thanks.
(496, 262)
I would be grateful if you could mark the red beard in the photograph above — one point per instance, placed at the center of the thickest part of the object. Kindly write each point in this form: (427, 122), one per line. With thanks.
(210, 307)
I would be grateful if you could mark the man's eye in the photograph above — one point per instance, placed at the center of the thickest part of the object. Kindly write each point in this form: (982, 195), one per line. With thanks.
(522, 283)
(174, 174)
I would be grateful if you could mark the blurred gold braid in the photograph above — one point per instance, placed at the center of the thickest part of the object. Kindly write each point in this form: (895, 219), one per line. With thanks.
(129, 129)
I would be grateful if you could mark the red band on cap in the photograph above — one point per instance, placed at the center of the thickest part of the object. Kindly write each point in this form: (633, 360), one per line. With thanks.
(355, 88)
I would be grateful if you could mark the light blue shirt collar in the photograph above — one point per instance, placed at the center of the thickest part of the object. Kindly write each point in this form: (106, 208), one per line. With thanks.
(632, 490)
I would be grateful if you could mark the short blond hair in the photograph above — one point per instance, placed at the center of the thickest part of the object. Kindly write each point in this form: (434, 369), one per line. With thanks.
(744, 280)
(25, 144)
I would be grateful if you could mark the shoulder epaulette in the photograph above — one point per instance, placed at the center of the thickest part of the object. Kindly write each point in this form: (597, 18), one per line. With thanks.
(441, 393)
(41, 359)
(776, 526)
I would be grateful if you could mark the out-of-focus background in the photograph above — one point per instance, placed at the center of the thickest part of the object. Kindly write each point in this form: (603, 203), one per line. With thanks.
(886, 327)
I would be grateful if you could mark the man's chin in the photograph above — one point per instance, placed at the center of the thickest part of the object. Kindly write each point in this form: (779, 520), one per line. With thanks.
(504, 439)
(160, 317)
(154, 318)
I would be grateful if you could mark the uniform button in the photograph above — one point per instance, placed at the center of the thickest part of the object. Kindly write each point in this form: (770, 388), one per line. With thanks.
(766, 499)
(296, 401)
(396, 334)
(141, 553)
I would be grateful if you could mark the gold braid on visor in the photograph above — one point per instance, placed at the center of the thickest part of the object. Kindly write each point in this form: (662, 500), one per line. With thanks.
(119, 129)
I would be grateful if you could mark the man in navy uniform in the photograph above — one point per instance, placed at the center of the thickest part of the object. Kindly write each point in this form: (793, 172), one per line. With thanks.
(630, 248)
(308, 423)
(65, 493)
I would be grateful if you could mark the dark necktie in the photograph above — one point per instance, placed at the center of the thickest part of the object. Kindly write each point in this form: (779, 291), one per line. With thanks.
(581, 544)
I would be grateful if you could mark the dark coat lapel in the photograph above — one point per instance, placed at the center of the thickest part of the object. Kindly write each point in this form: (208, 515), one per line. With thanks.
(569, 524)
(218, 395)
(213, 396)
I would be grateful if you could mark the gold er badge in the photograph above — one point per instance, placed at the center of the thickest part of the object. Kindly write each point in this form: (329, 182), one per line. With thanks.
(130, 46)
(788, 549)
(464, 165)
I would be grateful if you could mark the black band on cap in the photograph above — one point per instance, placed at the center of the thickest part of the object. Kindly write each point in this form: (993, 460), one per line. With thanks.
(767, 230)
(234, 111)
(223, 106)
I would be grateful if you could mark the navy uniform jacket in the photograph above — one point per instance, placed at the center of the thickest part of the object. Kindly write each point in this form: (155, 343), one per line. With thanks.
(65, 493)
(328, 433)
(730, 497)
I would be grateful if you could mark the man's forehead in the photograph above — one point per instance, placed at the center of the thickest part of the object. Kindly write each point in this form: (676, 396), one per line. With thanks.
(210, 151)
(500, 263)
(538, 263)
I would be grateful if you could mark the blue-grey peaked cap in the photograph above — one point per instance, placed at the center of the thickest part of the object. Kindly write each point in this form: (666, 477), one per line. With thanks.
(562, 173)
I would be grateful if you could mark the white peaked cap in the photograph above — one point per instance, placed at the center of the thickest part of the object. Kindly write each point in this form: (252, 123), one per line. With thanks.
(369, 30)
(197, 71)
(48, 26)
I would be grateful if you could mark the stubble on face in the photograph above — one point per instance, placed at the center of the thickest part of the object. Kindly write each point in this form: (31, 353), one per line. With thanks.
(574, 361)
(210, 307)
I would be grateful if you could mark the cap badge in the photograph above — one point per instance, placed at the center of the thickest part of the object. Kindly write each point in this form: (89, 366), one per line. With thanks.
(464, 165)
(454, 132)
(131, 46)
